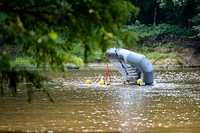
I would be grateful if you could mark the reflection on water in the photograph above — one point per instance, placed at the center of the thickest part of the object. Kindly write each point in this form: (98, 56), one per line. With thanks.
(171, 105)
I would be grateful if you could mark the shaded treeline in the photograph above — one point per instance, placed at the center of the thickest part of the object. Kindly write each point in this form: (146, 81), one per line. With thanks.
(179, 12)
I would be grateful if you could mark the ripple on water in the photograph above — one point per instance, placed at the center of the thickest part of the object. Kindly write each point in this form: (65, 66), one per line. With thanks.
(171, 104)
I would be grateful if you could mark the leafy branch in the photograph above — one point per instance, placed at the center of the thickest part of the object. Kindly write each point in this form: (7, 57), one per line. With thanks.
(11, 76)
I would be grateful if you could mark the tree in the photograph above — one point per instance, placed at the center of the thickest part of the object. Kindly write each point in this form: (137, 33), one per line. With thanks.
(196, 19)
(174, 12)
(179, 12)
(148, 11)
(46, 29)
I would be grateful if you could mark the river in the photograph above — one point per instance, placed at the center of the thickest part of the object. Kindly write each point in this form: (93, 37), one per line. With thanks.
(171, 105)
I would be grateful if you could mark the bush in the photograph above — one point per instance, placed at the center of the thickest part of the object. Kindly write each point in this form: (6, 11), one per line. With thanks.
(23, 60)
(161, 29)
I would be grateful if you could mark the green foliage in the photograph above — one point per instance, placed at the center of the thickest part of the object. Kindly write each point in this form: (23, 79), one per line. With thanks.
(143, 49)
(161, 29)
(167, 44)
(196, 21)
(163, 3)
(197, 28)
(158, 55)
(180, 12)
(174, 12)
(11, 77)
(147, 9)
(97, 55)
(48, 30)
(23, 60)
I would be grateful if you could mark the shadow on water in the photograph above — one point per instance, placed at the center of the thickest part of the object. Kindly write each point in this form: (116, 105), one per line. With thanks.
(171, 105)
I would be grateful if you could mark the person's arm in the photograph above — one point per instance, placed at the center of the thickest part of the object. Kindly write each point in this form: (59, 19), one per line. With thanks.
(98, 79)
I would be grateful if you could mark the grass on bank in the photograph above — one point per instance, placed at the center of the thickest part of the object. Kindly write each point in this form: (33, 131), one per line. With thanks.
(154, 56)
(23, 60)
(158, 55)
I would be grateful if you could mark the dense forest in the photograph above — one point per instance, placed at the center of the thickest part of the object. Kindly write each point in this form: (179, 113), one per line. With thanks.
(172, 17)
(157, 22)
(169, 24)
(184, 13)
(53, 33)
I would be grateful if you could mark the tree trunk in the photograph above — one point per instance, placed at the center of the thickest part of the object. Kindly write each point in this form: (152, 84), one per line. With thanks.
(155, 14)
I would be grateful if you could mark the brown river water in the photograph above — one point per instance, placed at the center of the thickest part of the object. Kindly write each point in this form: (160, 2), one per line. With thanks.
(171, 105)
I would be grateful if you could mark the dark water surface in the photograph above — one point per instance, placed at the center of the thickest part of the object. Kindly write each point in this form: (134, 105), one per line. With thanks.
(171, 105)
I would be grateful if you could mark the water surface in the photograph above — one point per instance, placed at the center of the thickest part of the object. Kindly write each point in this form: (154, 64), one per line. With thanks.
(171, 105)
